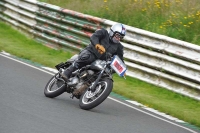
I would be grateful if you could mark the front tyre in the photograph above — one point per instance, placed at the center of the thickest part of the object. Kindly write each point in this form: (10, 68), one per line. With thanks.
(91, 99)
(55, 87)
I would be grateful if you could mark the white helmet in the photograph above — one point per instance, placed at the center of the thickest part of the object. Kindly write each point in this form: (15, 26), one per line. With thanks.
(117, 28)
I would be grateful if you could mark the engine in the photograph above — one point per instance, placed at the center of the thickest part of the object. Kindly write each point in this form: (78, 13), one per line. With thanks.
(81, 81)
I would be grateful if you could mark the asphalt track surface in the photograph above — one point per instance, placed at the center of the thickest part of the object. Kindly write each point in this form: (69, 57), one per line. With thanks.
(25, 109)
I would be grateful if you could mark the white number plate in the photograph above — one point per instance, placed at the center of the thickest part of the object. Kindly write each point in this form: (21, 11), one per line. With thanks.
(118, 66)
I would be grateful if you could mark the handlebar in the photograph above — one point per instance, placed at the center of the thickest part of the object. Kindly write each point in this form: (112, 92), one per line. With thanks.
(108, 56)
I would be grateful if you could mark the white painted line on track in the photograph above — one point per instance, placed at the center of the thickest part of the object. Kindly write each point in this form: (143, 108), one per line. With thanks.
(152, 115)
(155, 111)
(26, 64)
(7, 56)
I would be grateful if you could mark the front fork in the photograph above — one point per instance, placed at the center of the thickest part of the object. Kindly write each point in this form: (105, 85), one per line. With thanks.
(92, 88)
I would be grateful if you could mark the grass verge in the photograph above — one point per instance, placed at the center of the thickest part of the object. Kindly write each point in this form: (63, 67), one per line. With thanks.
(158, 98)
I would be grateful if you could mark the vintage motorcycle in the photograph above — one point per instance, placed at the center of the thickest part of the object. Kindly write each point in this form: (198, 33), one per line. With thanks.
(90, 84)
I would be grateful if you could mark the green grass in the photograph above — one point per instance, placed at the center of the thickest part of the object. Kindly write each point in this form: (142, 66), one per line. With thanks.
(175, 18)
(158, 98)
(26, 48)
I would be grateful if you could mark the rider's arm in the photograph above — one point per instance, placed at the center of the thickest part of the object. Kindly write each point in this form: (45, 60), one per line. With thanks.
(97, 36)
(120, 52)
(96, 40)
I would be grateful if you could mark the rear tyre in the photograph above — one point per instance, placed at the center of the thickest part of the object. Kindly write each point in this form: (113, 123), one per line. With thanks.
(55, 87)
(89, 99)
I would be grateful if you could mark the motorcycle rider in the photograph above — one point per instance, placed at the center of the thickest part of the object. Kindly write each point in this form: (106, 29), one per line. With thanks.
(101, 41)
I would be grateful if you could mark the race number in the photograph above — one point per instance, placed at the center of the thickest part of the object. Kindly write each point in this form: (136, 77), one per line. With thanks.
(118, 66)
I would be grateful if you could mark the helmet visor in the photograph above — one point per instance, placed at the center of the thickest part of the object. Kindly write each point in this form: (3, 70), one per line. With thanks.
(118, 36)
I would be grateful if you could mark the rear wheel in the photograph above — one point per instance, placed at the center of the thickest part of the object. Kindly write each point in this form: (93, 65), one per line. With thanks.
(91, 99)
(55, 87)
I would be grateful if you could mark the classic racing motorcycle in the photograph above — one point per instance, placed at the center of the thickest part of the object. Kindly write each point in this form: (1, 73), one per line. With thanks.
(90, 84)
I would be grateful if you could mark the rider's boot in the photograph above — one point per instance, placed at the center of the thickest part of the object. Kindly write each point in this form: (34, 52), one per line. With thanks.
(67, 72)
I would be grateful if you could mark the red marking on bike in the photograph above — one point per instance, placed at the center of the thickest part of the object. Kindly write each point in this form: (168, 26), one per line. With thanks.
(117, 65)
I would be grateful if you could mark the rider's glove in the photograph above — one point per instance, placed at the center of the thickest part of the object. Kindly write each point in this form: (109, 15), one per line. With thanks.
(100, 48)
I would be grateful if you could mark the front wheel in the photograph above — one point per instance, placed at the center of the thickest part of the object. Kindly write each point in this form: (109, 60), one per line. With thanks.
(91, 99)
(55, 87)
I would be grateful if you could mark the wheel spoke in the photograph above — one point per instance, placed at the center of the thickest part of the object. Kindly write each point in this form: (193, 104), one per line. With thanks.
(91, 97)
(55, 84)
